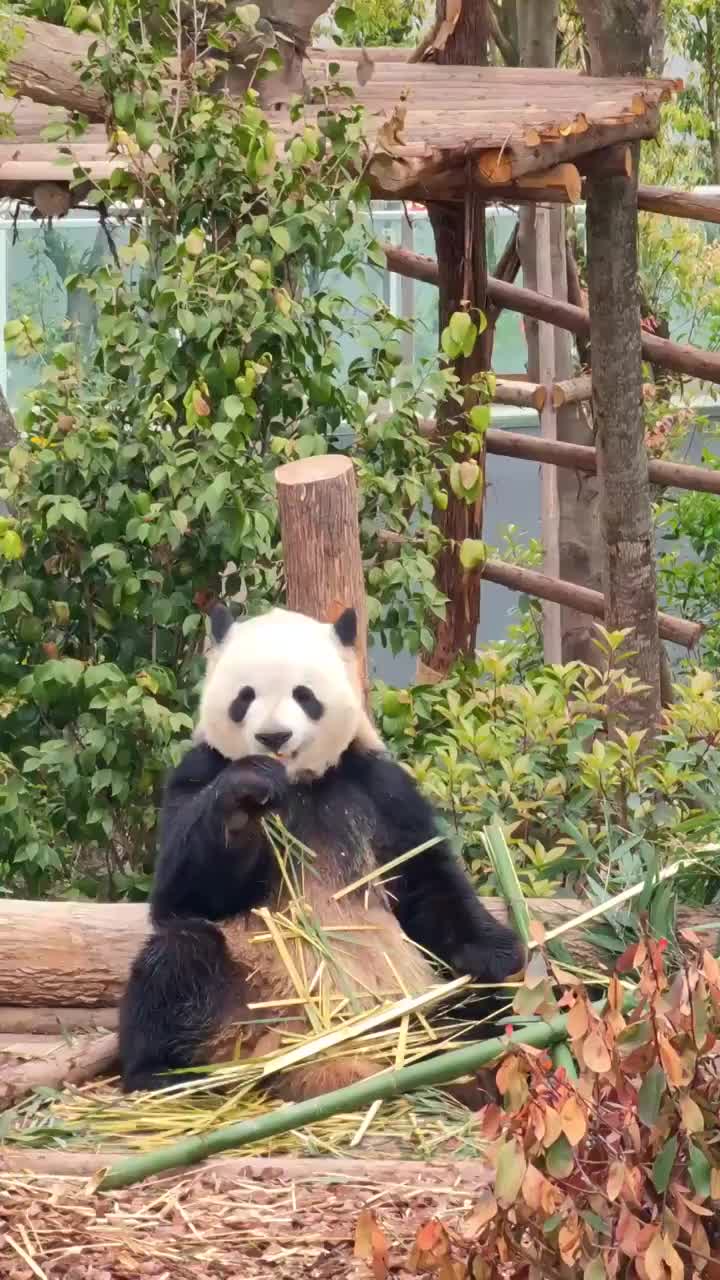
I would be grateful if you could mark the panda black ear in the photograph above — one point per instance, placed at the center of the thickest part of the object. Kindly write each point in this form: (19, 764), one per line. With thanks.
(346, 628)
(221, 621)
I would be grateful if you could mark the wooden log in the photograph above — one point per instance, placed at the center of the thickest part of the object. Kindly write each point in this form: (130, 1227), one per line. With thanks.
(318, 507)
(524, 395)
(580, 457)
(679, 204)
(462, 1174)
(71, 1064)
(692, 362)
(46, 67)
(532, 583)
(57, 954)
(44, 1021)
(571, 390)
(91, 945)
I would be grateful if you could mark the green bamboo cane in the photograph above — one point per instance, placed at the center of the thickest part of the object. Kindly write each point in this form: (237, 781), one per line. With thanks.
(356, 1097)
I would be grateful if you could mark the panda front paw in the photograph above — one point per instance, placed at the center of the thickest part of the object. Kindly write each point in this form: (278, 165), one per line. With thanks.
(252, 786)
(499, 961)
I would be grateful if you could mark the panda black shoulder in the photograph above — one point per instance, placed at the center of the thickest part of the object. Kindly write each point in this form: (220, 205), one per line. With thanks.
(400, 805)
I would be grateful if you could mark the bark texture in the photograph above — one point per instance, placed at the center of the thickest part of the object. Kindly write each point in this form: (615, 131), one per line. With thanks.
(318, 506)
(628, 536)
(459, 232)
(621, 34)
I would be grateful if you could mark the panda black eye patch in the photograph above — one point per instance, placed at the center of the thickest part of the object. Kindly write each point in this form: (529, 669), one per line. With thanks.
(240, 704)
(306, 699)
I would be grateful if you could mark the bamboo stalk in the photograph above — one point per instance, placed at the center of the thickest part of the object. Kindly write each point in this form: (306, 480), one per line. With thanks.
(391, 1084)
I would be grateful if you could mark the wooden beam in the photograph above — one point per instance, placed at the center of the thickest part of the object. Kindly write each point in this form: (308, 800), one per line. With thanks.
(572, 390)
(580, 457)
(691, 362)
(523, 395)
(532, 583)
(318, 509)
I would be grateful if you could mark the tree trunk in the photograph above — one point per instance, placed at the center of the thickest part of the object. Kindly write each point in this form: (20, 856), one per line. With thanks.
(48, 62)
(70, 1064)
(459, 37)
(8, 429)
(621, 34)
(628, 535)
(318, 507)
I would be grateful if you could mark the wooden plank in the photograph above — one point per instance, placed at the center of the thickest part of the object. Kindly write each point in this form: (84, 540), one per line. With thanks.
(549, 496)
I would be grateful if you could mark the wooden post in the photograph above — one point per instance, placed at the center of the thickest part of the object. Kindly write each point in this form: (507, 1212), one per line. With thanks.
(318, 505)
(625, 511)
(550, 501)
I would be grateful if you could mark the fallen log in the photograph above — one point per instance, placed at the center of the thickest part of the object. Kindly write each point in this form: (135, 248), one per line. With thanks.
(532, 583)
(690, 361)
(71, 1064)
(52, 953)
(43, 1021)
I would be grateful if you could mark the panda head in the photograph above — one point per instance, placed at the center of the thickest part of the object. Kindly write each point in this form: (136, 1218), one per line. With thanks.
(285, 685)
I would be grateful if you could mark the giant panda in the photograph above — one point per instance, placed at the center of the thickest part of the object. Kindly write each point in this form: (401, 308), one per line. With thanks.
(282, 731)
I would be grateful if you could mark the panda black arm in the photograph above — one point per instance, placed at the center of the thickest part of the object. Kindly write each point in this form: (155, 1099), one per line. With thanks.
(434, 898)
(214, 859)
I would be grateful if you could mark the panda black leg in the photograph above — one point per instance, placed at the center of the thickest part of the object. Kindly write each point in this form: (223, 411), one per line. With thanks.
(180, 988)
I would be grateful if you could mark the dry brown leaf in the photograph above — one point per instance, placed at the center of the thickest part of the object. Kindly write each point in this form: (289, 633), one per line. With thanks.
(371, 1245)
(692, 1116)
(616, 1179)
(537, 932)
(484, 1212)
(711, 968)
(596, 1054)
(432, 1246)
(628, 1233)
(654, 1259)
(578, 1020)
(715, 1184)
(553, 1127)
(615, 994)
(569, 1238)
(572, 1119)
(671, 1061)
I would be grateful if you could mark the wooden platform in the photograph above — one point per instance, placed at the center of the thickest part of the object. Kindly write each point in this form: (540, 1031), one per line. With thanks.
(430, 129)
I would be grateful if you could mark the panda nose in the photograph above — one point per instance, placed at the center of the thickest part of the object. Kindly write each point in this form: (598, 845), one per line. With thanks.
(274, 741)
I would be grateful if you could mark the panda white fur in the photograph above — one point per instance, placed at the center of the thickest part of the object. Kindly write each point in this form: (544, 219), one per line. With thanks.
(282, 731)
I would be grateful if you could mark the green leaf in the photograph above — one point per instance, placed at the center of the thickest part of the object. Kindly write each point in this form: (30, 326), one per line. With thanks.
(344, 17)
(215, 493)
(194, 243)
(460, 325)
(480, 417)
(559, 1158)
(650, 1095)
(700, 1171)
(663, 1165)
(473, 553)
(11, 546)
(510, 1171)
(595, 1270)
(281, 237)
(234, 407)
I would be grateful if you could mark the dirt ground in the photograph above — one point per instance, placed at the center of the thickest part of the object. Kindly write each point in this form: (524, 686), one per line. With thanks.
(292, 1220)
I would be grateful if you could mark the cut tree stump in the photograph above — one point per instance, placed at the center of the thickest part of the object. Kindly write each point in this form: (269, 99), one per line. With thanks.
(318, 508)
(55, 953)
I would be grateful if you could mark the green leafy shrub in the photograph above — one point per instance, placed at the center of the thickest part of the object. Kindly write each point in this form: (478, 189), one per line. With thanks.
(691, 586)
(580, 810)
(143, 482)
